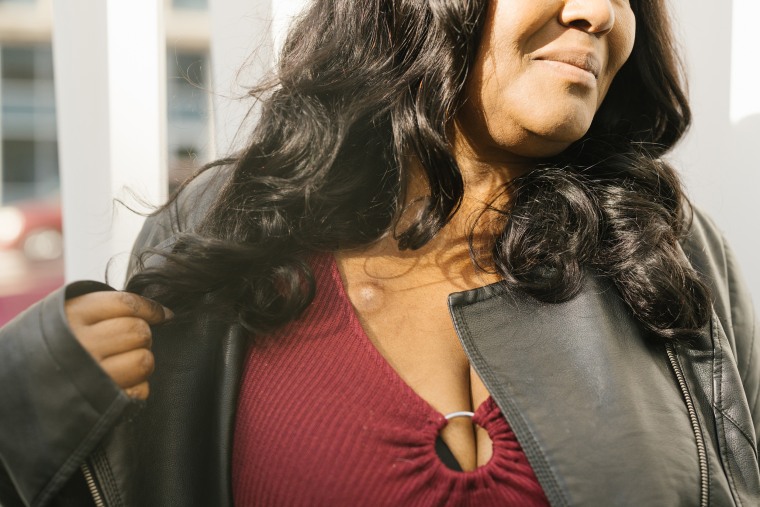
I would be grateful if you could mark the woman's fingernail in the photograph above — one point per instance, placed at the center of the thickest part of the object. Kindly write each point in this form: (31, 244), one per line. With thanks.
(168, 314)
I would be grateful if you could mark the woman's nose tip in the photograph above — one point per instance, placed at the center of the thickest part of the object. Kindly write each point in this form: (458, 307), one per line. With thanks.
(592, 16)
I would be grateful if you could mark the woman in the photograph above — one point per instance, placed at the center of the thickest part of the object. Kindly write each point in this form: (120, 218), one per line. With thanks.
(506, 152)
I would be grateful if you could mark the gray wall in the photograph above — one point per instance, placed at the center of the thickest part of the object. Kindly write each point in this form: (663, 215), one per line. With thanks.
(717, 159)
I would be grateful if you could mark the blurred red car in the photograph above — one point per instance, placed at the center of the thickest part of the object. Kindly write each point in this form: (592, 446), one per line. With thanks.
(31, 253)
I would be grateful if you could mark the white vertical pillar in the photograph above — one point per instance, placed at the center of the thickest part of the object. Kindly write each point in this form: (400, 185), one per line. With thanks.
(283, 12)
(137, 87)
(110, 94)
(245, 38)
(241, 55)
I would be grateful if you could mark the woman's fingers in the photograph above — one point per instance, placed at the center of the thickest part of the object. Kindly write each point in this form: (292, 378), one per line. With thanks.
(114, 327)
(138, 392)
(98, 306)
(129, 369)
(115, 336)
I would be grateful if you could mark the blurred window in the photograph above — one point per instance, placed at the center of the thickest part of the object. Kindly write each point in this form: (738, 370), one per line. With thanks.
(31, 239)
(188, 113)
(190, 4)
(18, 63)
(18, 162)
(29, 146)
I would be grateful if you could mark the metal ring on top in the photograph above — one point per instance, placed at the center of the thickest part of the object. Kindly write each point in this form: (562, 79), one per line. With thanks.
(462, 413)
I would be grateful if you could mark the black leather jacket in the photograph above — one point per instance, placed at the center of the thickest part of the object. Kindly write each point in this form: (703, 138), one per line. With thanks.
(605, 415)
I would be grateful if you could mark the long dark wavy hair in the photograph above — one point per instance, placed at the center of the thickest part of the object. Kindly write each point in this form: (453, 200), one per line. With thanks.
(364, 89)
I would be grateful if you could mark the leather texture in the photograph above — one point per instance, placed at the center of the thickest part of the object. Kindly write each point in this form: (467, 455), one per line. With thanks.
(56, 403)
(593, 400)
(596, 402)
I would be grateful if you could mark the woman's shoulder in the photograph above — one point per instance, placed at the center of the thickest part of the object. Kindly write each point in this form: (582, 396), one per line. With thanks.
(183, 213)
(189, 206)
(712, 257)
(704, 241)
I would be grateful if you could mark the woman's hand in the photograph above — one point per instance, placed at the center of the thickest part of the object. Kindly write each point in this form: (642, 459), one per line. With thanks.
(114, 327)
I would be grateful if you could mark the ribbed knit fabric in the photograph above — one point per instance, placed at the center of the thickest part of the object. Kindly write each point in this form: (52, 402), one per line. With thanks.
(324, 420)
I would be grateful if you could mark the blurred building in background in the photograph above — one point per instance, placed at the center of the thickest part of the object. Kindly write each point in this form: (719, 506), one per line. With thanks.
(31, 246)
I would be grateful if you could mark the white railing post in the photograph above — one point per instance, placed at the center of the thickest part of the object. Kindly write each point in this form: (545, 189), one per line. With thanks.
(241, 55)
(110, 79)
(245, 38)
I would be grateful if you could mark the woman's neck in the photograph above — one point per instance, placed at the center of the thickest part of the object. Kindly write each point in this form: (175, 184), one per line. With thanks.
(485, 169)
(475, 224)
(485, 175)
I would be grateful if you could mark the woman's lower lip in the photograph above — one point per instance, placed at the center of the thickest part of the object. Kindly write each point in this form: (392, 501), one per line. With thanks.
(570, 72)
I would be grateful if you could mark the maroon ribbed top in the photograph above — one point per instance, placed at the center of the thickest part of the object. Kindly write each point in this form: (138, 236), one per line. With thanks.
(323, 419)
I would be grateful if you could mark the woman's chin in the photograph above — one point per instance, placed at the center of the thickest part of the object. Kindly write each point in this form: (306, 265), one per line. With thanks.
(554, 140)
(541, 146)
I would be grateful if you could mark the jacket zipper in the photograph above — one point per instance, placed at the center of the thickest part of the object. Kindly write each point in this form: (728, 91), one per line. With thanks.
(703, 478)
(90, 479)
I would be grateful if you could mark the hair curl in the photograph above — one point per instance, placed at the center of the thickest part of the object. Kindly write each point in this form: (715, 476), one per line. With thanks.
(363, 88)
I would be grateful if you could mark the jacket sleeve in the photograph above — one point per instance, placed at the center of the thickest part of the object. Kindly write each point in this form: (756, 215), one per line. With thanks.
(712, 257)
(743, 321)
(56, 403)
(183, 215)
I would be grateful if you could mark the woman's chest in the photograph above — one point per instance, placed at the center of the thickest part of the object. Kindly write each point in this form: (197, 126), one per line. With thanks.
(321, 412)
(402, 306)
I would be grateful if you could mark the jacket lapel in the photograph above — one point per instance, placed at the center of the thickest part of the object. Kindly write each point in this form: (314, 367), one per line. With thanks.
(590, 397)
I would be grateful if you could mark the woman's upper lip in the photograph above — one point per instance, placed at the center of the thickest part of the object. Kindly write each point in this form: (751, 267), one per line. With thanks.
(582, 59)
